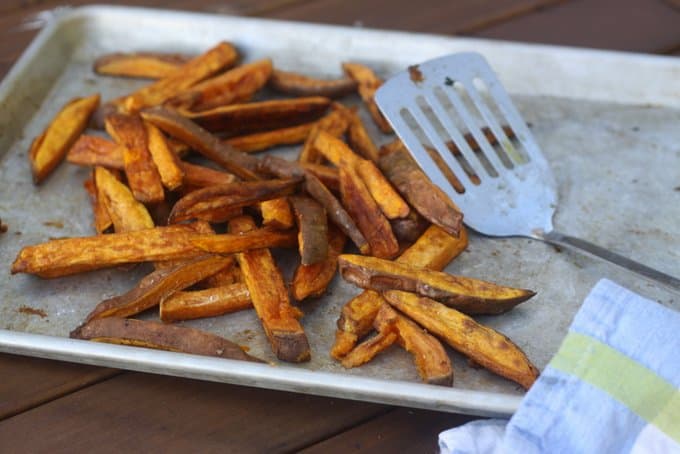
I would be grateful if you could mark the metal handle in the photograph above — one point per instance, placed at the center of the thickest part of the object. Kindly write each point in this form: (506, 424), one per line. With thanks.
(560, 239)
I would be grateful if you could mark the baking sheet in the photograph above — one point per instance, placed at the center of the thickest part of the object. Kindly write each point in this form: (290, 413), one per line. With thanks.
(607, 123)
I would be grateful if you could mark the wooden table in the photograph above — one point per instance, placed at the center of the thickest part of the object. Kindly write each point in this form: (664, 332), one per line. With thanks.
(55, 406)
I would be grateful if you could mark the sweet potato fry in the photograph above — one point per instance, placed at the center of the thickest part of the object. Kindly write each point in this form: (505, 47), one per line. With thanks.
(229, 195)
(210, 302)
(465, 294)
(142, 174)
(408, 229)
(329, 176)
(263, 140)
(189, 74)
(199, 139)
(270, 299)
(277, 214)
(334, 123)
(50, 147)
(253, 239)
(102, 220)
(158, 285)
(312, 280)
(368, 84)
(239, 119)
(359, 140)
(434, 365)
(142, 333)
(62, 257)
(312, 228)
(433, 250)
(126, 213)
(279, 167)
(368, 349)
(425, 197)
(335, 150)
(233, 86)
(483, 345)
(300, 85)
(227, 276)
(387, 198)
(335, 211)
(96, 151)
(167, 162)
(148, 65)
(372, 223)
(196, 176)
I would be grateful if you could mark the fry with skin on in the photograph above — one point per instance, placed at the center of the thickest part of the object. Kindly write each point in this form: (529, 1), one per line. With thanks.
(233, 86)
(471, 296)
(143, 333)
(368, 84)
(372, 223)
(432, 361)
(329, 176)
(219, 57)
(483, 345)
(270, 299)
(50, 147)
(167, 162)
(247, 118)
(102, 220)
(148, 65)
(96, 151)
(209, 302)
(260, 141)
(142, 173)
(434, 250)
(369, 349)
(334, 123)
(156, 286)
(312, 228)
(125, 212)
(196, 176)
(408, 229)
(228, 243)
(424, 196)
(359, 140)
(300, 85)
(312, 280)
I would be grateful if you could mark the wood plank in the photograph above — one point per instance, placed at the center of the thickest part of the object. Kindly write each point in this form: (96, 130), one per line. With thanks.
(29, 382)
(402, 430)
(631, 25)
(145, 413)
(431, 16)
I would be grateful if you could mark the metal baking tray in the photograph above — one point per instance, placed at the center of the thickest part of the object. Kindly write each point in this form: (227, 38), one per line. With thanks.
(606, 121)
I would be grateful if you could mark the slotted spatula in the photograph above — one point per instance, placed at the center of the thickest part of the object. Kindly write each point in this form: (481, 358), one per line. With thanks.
(460, 125)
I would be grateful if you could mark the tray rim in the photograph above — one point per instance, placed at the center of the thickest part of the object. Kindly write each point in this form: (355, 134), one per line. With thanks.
(282, 377)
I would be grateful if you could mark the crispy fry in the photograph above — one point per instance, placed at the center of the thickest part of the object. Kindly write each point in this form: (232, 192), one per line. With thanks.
(368, 349)
(372, 223)
(359, 140)
(335, 211)
(156, 286)
(368, 84)
(196, 176)
(335, 123)
(335, 150)
(481, 344)
(329, 176)
(434, 365)
(96, 151)
(425, 197)
(185, 130)
(210, 302)
(239, 119)
(277, 214)
(126, 213)
(227, 276)
(433, 250)
(189, 74)
(149, 65)
(270, 299)
(165, 159)
(50, 147)
(312, 280)
(387, 198)
(263, 140)
(299, 85)
(142, 174)
(229, 195)
(102, 220)
(408, 229)
(312, 228)
(236, 85)
(254, 239)
(468, 295)
(279, 167)
(142, 333)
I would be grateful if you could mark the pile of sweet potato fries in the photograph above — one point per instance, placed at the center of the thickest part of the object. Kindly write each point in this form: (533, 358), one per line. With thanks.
(176, 183)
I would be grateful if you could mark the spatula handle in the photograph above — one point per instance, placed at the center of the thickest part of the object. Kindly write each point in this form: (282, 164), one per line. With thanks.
(560, 239)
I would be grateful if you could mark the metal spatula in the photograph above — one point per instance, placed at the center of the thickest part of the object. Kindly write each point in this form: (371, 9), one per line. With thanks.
(460, 125)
